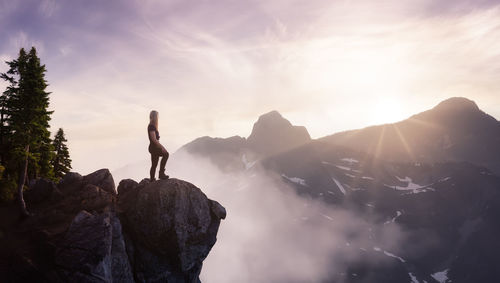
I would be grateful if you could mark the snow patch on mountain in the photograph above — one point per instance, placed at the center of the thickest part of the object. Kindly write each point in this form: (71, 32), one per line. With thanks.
(441, 276)
(339, 185)
(346, 168)
(444, 179)
(411, 187)
(343, 167)
(389, 254)
(327, 217)
(413, 278)
(296, 180)
(245, 161)
(398, 213)
(350, 160)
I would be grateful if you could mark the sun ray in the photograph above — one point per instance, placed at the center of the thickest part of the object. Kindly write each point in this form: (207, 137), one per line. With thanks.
(425, 123)
(404, 142)
(378, 149)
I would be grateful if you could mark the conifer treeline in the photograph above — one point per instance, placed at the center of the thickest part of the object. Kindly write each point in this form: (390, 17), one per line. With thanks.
(26, 149)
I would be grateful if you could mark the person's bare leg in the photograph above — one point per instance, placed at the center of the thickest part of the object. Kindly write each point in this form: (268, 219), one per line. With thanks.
(163, 162)
(154, 163)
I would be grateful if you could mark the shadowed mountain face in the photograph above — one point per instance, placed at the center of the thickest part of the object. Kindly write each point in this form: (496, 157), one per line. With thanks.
(271, 134)
(448, 211)
(454, 130)
(430, 176)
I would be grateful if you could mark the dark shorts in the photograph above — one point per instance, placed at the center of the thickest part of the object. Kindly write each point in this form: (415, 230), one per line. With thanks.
(154, 150)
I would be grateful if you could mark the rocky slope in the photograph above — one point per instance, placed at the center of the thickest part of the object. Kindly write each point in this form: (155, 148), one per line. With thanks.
(84, 230)
(454, 130)
(448, 211)
(434, 176)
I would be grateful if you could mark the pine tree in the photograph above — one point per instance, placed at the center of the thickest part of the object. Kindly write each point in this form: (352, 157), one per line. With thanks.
(61, 161)
(47, 155)
(4, 129)
(28, 117)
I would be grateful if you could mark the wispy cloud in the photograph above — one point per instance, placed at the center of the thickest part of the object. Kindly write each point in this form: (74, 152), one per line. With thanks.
(211, 68)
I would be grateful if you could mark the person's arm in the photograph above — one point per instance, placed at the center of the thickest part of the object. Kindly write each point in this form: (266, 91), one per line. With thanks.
(152, 137)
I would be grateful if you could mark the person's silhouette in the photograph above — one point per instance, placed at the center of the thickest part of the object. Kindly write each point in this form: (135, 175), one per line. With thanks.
(155, 148)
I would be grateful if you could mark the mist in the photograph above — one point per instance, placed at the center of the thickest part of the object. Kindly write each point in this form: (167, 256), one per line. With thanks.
(273, 235)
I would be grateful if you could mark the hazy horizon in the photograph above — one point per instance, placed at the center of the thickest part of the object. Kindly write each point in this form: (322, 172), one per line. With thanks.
(211, 69)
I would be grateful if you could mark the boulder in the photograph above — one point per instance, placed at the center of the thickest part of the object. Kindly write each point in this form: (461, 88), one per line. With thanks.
(144, 181)
(158, 231)
(101, 178)
(173, 226)
(70, 182)
(84, 254)
(126, 186)
(121, 269)
(217, 209)
(94, 198)
(93, 250)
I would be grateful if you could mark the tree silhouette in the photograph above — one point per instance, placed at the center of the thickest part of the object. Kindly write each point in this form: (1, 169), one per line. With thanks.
(26, 104)
(61, 162)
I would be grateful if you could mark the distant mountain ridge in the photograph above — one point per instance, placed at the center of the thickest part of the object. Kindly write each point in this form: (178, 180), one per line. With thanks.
(455, 130)
(430, 175)
(271, 134)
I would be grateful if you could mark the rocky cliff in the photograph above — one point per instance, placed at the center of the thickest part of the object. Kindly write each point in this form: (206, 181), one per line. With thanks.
(83, 229)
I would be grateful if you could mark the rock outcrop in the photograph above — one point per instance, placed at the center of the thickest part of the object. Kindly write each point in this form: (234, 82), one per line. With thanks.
(172, 227)
(85, 230)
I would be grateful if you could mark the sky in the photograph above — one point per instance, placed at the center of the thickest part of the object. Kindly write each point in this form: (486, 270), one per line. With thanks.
(212, 67)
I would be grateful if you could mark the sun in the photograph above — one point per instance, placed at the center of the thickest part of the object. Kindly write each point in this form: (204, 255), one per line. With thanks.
(388, 110)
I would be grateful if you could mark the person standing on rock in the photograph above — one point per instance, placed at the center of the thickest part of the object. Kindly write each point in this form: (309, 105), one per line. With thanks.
(155, 148)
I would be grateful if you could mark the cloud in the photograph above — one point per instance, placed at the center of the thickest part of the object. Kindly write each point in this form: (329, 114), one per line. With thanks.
(273, 235)
(47, 8)
(211, 67)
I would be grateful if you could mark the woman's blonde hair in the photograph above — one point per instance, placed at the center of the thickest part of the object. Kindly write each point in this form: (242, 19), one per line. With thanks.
(153, 118)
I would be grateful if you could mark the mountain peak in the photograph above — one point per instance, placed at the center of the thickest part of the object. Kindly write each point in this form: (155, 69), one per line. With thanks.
(268, 123)
(272, 133)
(272, 117)
(457, 104)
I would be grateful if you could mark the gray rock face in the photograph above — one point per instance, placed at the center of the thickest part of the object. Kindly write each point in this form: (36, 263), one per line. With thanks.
(121, 270)
(103, 179)
(93, 250)
(84, 254)
(70, 181)
(173, 226)
(126, 185)
(81, 231)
